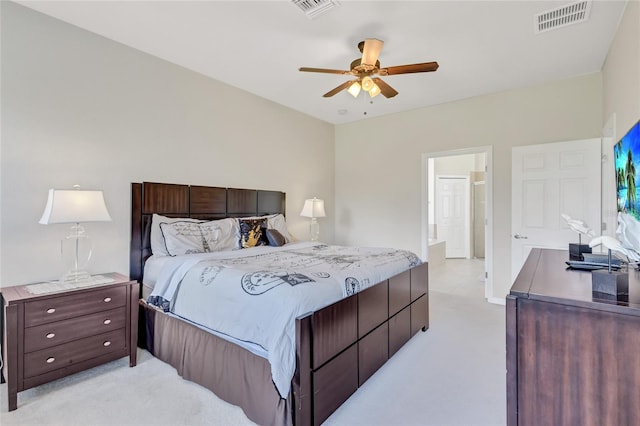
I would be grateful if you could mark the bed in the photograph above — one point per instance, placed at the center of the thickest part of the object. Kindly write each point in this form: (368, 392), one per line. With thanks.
(336, 347)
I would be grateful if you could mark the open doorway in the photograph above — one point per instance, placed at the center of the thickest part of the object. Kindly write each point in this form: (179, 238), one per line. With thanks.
(457, 194)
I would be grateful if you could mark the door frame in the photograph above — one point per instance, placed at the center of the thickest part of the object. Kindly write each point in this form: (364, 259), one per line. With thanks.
(489, 234)
(472, 251)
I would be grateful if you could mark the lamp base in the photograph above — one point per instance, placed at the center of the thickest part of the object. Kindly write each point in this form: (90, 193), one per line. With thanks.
(613, 283)
(314, 229)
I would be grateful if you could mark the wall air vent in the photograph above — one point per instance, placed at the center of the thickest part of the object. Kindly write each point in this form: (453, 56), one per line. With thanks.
(563, 16)
(315, 8)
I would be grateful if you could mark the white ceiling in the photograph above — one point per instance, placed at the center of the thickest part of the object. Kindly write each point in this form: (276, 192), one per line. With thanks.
(258, 46)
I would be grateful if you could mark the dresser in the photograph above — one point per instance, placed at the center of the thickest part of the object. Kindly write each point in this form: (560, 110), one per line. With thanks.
(51, 333)
(573, 356)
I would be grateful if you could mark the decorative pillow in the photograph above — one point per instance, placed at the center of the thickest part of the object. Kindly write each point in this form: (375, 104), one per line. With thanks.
(251, 232)
(274, 221)
(275, 238)
(279, 223)
(184, 237)
(158, 246)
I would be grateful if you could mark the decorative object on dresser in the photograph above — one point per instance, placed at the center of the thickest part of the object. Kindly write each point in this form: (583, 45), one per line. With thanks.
(75, 206)
(572, 355)
(607, 281)
(577, 225)
(313, 208)
(628, 233)
(52, 334)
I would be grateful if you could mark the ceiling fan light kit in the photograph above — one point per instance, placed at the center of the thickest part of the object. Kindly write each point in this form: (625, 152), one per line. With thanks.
(366, 83)
(374, 91)
(354, 89)
(366, 67)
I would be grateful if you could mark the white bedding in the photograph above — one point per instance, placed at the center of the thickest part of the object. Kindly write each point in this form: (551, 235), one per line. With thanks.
(152, 269)
(255, 295)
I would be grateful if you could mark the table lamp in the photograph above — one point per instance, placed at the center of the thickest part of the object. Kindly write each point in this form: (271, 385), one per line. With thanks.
(313, 208)
(75, 206)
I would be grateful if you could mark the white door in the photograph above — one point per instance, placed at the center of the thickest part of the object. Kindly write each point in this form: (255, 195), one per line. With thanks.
(453, 214)
(547, 180)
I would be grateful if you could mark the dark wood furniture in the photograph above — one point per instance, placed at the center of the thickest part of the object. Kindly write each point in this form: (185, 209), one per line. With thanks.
(573, 356)
(338, 347)
(51, 335)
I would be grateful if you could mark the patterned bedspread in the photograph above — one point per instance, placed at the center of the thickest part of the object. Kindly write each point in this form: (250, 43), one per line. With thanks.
(255, 295)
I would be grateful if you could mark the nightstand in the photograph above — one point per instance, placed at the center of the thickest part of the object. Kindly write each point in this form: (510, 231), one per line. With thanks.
(51, 332)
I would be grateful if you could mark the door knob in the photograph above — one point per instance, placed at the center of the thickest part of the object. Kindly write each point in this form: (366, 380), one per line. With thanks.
(520, 237)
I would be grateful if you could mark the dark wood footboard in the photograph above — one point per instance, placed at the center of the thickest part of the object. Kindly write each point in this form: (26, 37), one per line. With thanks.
(339, 347)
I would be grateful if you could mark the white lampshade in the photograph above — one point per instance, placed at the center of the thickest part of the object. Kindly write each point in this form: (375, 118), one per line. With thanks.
(313, 207)
(74, 206)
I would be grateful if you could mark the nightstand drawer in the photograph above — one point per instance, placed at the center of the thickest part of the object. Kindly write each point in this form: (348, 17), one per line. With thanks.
(74, 305)
(56, 333)
(46, 360)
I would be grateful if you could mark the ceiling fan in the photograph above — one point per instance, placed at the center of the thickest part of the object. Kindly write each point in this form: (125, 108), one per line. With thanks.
(366, 70)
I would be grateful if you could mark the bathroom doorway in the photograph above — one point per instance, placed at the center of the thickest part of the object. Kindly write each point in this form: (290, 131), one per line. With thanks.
(475, 166)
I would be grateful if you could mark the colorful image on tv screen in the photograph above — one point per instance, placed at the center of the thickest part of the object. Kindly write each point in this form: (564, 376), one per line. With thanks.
(627, 159)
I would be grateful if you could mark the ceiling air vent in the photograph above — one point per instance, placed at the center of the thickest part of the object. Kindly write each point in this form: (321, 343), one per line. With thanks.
(559, 17)
(315, 8)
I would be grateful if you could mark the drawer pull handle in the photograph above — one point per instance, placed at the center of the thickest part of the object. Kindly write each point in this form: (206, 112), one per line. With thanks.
(51, 310)
(107, 299)
(107, 343)
(106, 322)
(51, 335)
(50, 360)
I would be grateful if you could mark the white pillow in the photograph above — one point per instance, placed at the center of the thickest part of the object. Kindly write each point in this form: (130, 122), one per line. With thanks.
(279, 223)
(157, 240)
(186, 237)
(229, 234)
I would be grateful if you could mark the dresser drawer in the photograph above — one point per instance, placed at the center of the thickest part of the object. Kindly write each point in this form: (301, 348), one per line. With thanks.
(56, 333)
(46, 360)
(74, 305)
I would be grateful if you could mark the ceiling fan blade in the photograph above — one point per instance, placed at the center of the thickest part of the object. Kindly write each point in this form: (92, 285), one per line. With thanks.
(324, 70)
(338, 89)
(408, 69)
(371, 51)
(386, 90)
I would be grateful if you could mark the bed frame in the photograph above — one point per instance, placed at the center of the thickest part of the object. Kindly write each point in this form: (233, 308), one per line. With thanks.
(337, 348)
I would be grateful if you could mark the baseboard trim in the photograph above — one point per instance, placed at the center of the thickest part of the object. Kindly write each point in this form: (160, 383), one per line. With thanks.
(497, 300)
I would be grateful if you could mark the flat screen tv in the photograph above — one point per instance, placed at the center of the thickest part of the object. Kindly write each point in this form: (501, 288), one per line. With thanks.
(627, 161)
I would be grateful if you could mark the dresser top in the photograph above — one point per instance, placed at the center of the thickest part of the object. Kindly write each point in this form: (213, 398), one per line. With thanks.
(48, 289)
(546, 276)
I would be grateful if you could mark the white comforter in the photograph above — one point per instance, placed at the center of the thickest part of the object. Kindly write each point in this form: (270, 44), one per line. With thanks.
(256, 294)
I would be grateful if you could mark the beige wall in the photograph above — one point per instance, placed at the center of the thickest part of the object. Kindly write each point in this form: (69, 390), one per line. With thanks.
(456, 165)
(78, 108)
(379, 170)
(621, 73)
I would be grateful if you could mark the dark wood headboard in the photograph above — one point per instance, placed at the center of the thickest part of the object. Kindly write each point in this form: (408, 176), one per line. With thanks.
(198, 202)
